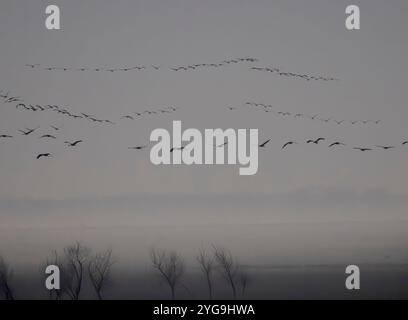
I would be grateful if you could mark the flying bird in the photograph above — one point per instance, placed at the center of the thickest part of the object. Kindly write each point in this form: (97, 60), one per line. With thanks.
(73, 144)
(288, 143)
(405, 142)
(363, 149)
(43, 155)
(336, 144)
(315, 141)
(29, 131)
(138, 147)
(385, 147)
(173, 148)
(48, 136)
(5, 136)
(262, 145)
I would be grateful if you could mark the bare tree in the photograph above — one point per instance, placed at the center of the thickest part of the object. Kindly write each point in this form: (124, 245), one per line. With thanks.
(75, 258)
(207, 267)
(228, 268)
(5, 276)
(99, 270)
(66, 276)
(244, 280)
(170, 266)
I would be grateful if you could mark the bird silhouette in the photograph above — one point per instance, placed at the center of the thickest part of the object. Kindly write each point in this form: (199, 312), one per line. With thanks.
(288, 143)
(173, 148)
(385, 147)
(336, 144)
(138, 147)
(28, 131)
(48, 136)
(262, 145)
(363, 149)
(5, 136)
(405, 142)
(43, 155)
(73, 144)
(316, 141)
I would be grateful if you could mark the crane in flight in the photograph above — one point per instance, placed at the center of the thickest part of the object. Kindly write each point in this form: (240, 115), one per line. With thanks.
(315, 141)
(288, 143)
(138, 147)
(28, 131)
(48, 136)
(73, 144)
(262, 145)
(363, 149)
(337, 143)
(386, 147)
(44, 155)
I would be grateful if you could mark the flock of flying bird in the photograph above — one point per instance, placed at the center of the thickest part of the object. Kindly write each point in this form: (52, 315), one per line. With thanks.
(270, 108)
(20, 104)
(334, 144)
(151, 67)
(188, 67)
(307, 77)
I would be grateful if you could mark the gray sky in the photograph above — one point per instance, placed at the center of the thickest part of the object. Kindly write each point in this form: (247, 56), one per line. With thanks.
(101, 192)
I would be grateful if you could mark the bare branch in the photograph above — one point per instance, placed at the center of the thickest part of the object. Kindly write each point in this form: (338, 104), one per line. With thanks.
(228, 267)
(75, 257)
(99, 270)
(170, 266)
(207, 267)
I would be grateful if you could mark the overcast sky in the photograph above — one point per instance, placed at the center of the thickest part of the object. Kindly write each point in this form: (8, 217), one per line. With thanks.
(102, 193)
